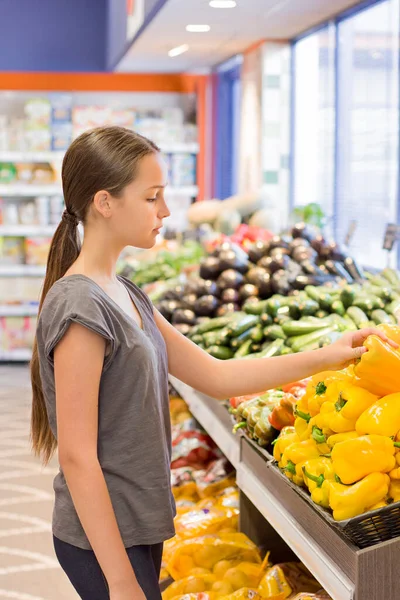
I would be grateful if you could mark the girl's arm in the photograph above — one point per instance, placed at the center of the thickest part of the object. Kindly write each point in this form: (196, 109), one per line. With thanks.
(225, 378)
(78, 362)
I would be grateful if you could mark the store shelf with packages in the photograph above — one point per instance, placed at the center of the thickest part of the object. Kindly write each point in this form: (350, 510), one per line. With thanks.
(22, 270)
(18, 310)
(15, 355)
(27, 230)
(32, 190)
(278, 511)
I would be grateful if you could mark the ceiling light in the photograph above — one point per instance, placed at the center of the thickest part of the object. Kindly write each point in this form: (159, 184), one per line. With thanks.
(178, 50)
(222, 3)
(198, 28)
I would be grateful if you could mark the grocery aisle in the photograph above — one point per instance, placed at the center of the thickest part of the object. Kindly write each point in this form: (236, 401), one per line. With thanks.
(28, 567)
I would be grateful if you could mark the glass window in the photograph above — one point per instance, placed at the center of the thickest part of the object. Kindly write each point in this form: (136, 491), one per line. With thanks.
(314, 119)
(368, 128)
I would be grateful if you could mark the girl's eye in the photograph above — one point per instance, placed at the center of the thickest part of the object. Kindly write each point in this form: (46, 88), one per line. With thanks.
(151, 199)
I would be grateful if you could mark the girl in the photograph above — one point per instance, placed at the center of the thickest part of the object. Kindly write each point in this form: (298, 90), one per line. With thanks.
(100, 372)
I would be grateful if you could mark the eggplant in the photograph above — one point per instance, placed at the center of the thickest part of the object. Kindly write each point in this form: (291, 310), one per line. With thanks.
(354, 268)
(258, 250)
(210, 268)
(229, 295)
(230, 279)
(293, 269)
(302, 253)
(228, 308)
(303, 281)
(205, 306)
(183, 328)
(318, 243)
(279, 242)
(189, 300)
(253, 274)
(168, 307)
(248, 290)
(228, 259)
(206, 287)
(191, 286)
(280, 283)
(175, 293)
(278, 262)
(276, 251)
(310, 268)
(297, 242)
(183, 315)
(261, 279)
(222, 248)
(332, 251)
(302, 230)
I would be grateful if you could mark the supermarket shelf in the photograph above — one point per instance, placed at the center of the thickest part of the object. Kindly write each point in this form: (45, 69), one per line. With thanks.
(22, 270)
(27, 230)
(15, 356)
(180, 147)
(27, 190)
(189, 190)
(298, 539)
(214, 417)
(20, 310)
(31, 157)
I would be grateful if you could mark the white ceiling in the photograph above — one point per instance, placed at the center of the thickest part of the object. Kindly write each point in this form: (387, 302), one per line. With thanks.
(232, 31)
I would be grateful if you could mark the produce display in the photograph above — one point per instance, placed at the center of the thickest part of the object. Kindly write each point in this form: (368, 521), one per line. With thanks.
(208, 558)
(344, 445)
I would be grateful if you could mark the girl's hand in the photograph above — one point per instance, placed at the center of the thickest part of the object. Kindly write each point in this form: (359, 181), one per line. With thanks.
(349, 348)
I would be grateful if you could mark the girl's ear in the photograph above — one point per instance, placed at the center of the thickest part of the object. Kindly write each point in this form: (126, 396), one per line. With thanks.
(102, 203)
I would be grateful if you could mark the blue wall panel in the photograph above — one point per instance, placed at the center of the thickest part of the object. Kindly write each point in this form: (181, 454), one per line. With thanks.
(53, 35)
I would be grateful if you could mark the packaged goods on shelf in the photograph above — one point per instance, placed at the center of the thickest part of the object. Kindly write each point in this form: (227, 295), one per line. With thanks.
(12, 251)
(21, 290)
(17, 333)
(37, 250)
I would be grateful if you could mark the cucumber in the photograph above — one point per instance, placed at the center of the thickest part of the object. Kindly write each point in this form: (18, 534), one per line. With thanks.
(236, 342)
(222, 339)
(329, 339)
(254, 348)
(294, 311)
(273, 305)
(242, 325)
(358, 316)
(257, 334)
(297, 328)
(394, 308)
(285, 350)
(266, 319)
(380, 316)
(299, 342)
(347, 296)
(217, 323)
(321, 314)
(308, 307)
(310, 346)
(281, 319)
(255, 308)
(351, 326)
(197, 338)
(274, 332)
(312, 292)
(221, 352)
(338, 307)
(326, 301)
(365, 303)
(244, 349)
(210, 338)
(272, 349)
(392, 276)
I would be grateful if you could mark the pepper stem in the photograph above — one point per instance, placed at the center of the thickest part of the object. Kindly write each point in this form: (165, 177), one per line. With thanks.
(396, 444)
(302, 415)
(238, 426)
(290, 467)
(320, 388)
(318, 480)
(317, 435)
(340, 403)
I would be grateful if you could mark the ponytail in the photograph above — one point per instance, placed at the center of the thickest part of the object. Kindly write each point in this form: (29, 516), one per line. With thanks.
(64, 250)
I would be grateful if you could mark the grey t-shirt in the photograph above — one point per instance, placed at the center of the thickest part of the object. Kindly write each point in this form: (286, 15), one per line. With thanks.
(134, 431)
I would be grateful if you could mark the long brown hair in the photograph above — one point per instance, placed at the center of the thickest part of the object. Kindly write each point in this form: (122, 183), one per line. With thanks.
(105, 158)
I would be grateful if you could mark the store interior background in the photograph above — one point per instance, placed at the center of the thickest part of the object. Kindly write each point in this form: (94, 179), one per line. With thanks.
(295, 101)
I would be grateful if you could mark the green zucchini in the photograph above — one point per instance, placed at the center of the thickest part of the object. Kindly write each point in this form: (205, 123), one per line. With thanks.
(297, 328)
(255, 308)
(347, 296)
(243, 325)
(217, 323)
(329, 339)
(281, 319)
(244, 349)
(255, 348)
(257, 333)
(321, 314)
(308, 307)
(285, 350)
(236, 342)
(221, 352)
(351, 326)
(358, 316)
(392, 276)
(266, 319)
(274, 332)
(380, 316)
(312, 292)
(210, 338)
(197, 338)
(294, 311)
(223, 337)
(338, 307)
(299, 342)
(273, 349)
(309, 347)
(326, 301)
(394, 308)
(273, 305)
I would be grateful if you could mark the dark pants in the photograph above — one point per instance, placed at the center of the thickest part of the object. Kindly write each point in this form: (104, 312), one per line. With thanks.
(86, 576)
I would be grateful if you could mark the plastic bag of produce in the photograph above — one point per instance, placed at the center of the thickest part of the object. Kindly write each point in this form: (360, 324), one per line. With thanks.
(185, 504)
(217, 477)
(204, 521)
(183, 483)
(288, 579)
(228, 498)
(193, 584)
(322, 595)
(199, 596)
(205, 552)
(193, 449)
(243, 594)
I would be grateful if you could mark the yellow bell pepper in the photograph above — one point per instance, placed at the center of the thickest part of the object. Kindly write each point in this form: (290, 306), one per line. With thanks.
(382, 418)
(379, 368)
(286, 437)
(348, 501)
(319, 436)
(294, 457)
(356, 458)
(394, 491)
(341, 437)
(317, 472)
(392, 331)
(379, 504)
(395, 473)
(353, 401)
(274, 583)
(330, 418)
(301, 428)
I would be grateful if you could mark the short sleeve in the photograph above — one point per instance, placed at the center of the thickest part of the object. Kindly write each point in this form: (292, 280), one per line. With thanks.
(75, 302)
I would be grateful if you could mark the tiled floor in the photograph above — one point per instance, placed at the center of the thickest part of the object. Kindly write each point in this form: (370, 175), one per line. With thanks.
(28, 567)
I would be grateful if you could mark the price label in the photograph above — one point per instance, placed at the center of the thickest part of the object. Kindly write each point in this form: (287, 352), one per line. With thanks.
(392, 235)
(350, 232)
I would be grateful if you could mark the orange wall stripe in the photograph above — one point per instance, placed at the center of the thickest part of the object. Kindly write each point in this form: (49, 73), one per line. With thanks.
(202, 127)
(99, 82)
